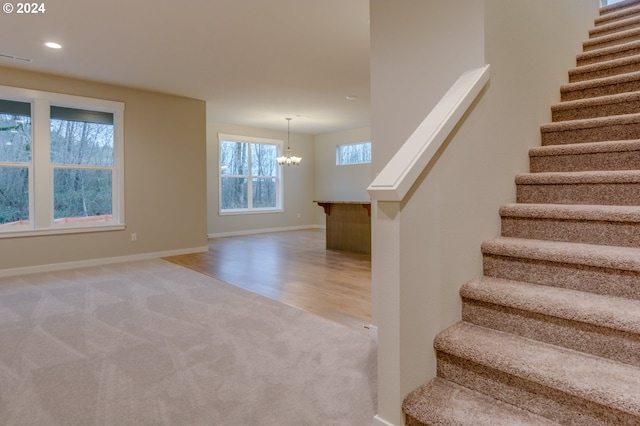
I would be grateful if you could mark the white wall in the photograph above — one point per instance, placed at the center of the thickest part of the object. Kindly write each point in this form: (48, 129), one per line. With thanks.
(298, 205)
(340, 183)
(418, 49)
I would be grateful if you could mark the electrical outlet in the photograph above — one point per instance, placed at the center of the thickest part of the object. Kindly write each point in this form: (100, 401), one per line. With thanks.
(134, 236)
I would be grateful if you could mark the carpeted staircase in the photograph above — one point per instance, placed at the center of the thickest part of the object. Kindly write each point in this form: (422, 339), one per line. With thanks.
(550, 334)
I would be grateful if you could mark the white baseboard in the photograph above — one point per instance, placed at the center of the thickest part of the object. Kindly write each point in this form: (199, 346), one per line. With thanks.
(378, 421)
(98, 262)
(262, 231)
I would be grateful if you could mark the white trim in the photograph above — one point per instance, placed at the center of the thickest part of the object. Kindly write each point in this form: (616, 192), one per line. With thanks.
(262, 231)
(379, 421)
(98, 262)
(401, 172)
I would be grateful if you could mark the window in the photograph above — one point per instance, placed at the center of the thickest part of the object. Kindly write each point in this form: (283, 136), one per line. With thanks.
(60, 163)
(250, 179)
(354, 153)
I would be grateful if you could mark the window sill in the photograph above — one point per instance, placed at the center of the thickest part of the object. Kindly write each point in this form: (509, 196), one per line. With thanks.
(60, 231)
(240, 212)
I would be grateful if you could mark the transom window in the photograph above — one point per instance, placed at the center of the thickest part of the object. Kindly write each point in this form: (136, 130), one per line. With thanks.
(353, 153)
(60, 163)
(250, 179)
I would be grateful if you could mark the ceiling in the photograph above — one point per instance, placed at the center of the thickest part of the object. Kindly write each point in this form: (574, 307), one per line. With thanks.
(255, 62)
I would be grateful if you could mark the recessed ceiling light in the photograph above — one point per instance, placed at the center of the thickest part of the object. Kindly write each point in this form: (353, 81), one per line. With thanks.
(352, 97)
(53, 45)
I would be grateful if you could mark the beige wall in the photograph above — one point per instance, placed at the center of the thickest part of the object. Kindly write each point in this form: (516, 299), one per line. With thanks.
(417, 50)
(299, 209)
(340, 183)
(165, 142)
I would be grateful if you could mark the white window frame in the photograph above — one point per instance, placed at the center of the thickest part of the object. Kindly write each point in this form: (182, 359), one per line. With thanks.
(41, 209)
(340, 146)
(279, 179)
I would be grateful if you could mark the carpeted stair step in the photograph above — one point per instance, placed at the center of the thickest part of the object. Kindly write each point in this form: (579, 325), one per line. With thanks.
(618, 187)
(609, 40)
(441, 402)
(588, 224)
(590, 156)
(564, 385)
(621, 24)
(608, 53)
(605, 69)
(600, 325)
(600, 87)
(607, 270)
(616, 127)
(613, 15)
(603, 106)
(616, 7)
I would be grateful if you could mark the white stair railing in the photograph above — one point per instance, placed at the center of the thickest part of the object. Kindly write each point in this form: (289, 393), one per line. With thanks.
(401, 172)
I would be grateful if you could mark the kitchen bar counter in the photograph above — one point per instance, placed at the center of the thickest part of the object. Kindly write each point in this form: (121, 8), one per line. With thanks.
(348, 225)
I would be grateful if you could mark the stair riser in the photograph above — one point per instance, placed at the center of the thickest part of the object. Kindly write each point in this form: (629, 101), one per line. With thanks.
(604, 20)
(623, 234)
(542, 400)
(610, 194)
(573, 94)
(601, 30)
(618, 132)
(575, 76)
(588, 60)
(613, 282)
(595, 111)
(600, 161)
(594, 45)
(599, 341)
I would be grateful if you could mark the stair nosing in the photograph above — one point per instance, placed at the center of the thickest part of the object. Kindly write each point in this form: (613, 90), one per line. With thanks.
(603, 65)
(602, 51)
(530, 360)
(600, 20)
(609, 26)
(572, 212)
(582, 177)
(593, 41)
(590, 123)
(557, 302)
(600, 82)
(599, 256)
(615, 98)
(585, 148)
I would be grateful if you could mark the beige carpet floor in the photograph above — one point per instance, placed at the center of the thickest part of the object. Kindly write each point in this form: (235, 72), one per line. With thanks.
(153, 343)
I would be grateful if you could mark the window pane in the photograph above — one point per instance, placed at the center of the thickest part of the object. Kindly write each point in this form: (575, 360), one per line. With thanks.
(80, 142)
(234, 193)
(15, 131)
(14, 195)
(354, 153)
(264, 192)
(234, 158)
(82, 193)
(263, 159)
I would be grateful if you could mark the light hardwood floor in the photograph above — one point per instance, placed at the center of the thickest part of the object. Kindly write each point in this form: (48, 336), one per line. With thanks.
(295, 268)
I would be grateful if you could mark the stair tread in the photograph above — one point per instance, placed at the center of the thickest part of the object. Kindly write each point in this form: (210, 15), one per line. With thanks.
(583, 177)
(611, 63)
(594, 41)
(614, 257)
(443, 402)
(596, 101)
(600, 310)
(603, 81)
(590, 123)
(572, 212)
(585, 148)
(606, 17)
(607, 50)
(614, 8)
(612, 26)
(595, 379)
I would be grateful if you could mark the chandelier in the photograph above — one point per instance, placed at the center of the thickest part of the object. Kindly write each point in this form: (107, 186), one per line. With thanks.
(287, 159)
